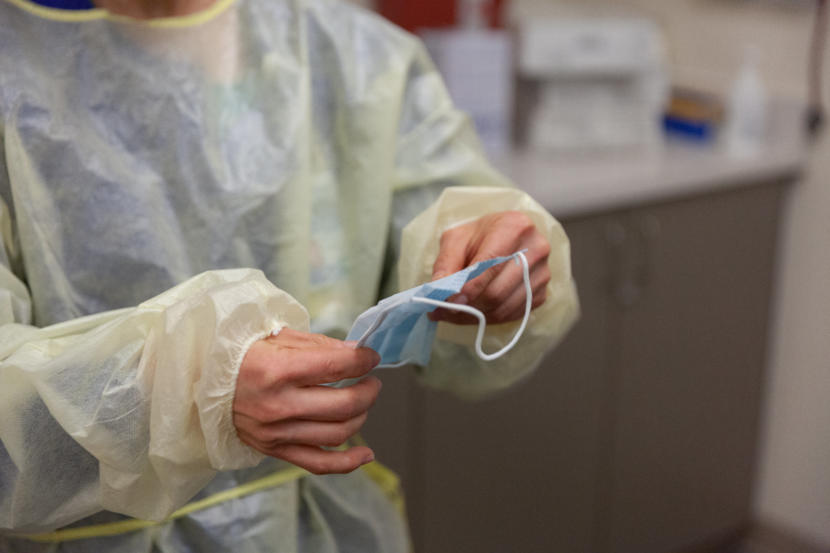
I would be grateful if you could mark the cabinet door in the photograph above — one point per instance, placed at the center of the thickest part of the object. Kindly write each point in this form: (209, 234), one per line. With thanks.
(516, 472)
(686, 386)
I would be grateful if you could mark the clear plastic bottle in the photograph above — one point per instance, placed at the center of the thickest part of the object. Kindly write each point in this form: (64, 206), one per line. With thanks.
(746, 122)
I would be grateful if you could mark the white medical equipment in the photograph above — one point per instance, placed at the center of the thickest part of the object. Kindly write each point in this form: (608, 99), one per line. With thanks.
(601, 82)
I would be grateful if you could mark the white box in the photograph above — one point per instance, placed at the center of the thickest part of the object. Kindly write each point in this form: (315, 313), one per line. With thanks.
(477, 68)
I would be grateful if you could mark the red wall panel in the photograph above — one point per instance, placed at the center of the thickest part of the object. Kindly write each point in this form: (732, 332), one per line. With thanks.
(416, 14)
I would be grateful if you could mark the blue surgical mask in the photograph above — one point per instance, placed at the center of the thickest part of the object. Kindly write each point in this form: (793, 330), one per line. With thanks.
(399, 329)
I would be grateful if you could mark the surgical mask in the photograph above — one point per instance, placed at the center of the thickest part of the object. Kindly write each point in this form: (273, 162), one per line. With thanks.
(399, 329)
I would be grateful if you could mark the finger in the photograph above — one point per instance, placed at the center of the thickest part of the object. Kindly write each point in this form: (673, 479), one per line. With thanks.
(515, 231)
(311, 367)
(496, 244)
(322, 461)
(513, 309)
(452, 253)
(510, 309)
(315, 433)
(508, 282)
(325, 404)
(536, 255)
(471, 291)
(500, 289)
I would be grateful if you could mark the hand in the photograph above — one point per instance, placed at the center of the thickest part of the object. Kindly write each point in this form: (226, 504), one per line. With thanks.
(281, 409)
(499, 292)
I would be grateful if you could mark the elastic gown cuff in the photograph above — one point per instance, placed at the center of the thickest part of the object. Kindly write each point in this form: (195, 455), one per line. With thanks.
(247, 312)
(230, 452)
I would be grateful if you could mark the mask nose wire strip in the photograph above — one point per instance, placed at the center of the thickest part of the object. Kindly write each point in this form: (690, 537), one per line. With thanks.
(482, 322)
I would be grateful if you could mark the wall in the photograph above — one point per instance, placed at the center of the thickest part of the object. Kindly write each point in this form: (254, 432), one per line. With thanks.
(705, 47)
(794, 481)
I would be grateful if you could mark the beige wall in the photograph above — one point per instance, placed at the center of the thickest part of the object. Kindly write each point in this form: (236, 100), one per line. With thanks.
(705, 37)
(705, 44)
(794, 483)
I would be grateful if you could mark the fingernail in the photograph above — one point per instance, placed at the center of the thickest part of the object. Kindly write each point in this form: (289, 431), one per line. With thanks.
(351, 343)
(461, 299)
(369, 458)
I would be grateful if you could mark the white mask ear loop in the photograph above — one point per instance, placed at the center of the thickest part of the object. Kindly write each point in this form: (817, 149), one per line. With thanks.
(482, 321)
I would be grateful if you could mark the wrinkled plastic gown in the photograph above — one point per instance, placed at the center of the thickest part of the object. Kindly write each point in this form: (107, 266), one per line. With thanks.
(267, 142)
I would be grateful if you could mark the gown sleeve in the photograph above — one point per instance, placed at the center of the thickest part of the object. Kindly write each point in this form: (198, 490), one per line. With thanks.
(442, 178)
(128, 410)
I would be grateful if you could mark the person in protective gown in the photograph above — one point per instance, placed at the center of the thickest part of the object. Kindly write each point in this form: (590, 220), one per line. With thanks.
(193, 209)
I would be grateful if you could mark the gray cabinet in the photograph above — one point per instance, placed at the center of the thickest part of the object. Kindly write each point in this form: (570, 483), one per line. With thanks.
(638, 434)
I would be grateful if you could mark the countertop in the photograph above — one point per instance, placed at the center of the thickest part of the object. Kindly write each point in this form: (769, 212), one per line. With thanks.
(573, 185)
